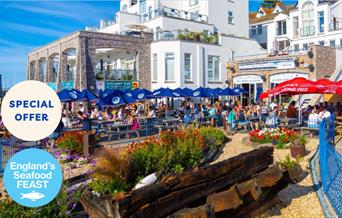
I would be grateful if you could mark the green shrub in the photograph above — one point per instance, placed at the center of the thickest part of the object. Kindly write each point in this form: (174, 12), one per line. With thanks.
(104, 187)
(288, 163)
(213, 137)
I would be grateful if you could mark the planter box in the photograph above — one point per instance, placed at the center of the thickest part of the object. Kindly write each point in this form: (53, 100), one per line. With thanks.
(236, 187)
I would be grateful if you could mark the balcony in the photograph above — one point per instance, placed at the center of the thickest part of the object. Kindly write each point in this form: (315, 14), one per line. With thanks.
(187, 36)
(307, 31)
(124, 75)
(335, 26)
(170, 12)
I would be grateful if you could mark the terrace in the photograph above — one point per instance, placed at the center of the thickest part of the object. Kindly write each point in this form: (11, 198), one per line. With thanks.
(175, 13)
(185, 35)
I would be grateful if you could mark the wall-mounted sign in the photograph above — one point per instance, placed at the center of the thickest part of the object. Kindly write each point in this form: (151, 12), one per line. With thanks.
(279, 78)
(287, 63)
(67, 85)
(121, 85)
(246, 79)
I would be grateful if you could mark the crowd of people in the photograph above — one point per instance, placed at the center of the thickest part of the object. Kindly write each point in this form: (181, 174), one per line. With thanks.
(231, 115)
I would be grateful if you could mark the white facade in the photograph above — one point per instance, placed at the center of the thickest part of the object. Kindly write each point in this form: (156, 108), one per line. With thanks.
(220, 28)
(310, 22)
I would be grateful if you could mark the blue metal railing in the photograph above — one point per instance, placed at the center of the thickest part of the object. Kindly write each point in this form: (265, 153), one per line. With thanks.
(330, 165)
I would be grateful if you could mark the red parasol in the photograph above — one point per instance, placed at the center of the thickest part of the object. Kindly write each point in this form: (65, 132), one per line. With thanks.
(294, 86)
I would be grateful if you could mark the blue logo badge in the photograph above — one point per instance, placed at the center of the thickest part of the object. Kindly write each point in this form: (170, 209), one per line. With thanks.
(33, 177)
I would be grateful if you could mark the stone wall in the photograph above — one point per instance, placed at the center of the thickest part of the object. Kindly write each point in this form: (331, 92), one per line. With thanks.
(324, 61)
(86, 44)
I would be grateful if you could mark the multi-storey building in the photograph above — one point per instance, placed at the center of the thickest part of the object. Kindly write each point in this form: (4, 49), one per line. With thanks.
(295, 27)
(193, 39)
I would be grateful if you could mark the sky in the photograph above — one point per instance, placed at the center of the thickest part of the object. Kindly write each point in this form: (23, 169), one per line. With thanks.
(26, 25)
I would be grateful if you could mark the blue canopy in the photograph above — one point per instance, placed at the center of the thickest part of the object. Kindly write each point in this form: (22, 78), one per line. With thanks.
(216, 91)
(69, 95)
(228, 92)
(87, 95)
(141, 94)
(116, 98)
(166, 93)
(202, 93)
(188, 92)
(239, 90)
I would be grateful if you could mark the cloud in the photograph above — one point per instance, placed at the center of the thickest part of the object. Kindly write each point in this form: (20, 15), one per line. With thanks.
(33, 29)
(78, 11)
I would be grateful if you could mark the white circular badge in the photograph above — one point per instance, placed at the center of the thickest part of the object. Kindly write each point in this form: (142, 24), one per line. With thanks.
(31, 110)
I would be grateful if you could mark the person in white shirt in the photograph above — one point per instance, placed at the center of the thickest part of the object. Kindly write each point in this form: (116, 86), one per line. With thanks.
(324, 113)
(314, 119)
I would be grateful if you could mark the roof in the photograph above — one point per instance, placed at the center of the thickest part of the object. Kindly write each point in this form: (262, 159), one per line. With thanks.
(269, 13)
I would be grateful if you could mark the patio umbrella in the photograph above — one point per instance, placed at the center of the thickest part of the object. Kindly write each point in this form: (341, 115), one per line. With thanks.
(166, 93)
(188, 92)
(87, 95)
(202, 93)
(228, 92)
(239, 90)
(116, 98)
(141, 94)
(296, 86)
(69, 95)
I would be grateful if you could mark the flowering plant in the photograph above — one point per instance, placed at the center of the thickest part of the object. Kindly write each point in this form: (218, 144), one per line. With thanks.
(277, 136)
(72, 141)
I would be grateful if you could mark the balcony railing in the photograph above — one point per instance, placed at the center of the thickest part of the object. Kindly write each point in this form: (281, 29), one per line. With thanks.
(125, 75)
(170, 12)
(335, 26)
(307, 31)
(187, 36)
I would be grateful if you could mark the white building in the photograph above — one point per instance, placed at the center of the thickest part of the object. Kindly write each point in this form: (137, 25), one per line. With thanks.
(295, 27)
(193, 39)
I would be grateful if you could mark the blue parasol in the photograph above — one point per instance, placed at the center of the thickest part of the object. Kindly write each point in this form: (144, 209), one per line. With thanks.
(141, 94)
(166, 93)
(239, 90)
(116, 98)
(87, 95)
(202, 93)
(228, 92)
(69, 95)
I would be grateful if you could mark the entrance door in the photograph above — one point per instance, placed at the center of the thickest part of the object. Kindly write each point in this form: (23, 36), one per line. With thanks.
(245, 96)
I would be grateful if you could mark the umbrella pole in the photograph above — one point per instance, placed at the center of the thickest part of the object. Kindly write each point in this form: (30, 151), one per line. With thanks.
(300, 111)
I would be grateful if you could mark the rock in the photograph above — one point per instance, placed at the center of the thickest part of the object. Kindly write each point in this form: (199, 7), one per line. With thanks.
(295, 173)
(205, 211)
(269, 177)
(225, 200)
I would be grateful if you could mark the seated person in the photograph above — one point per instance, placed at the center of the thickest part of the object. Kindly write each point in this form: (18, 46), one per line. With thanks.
(271, 120)
(242, 120)
(291, 111)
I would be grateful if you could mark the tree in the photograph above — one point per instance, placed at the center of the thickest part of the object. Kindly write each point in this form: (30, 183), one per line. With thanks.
(269, 3)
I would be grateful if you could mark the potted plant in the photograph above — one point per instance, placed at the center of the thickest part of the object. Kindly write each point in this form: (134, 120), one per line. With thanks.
(297, 147)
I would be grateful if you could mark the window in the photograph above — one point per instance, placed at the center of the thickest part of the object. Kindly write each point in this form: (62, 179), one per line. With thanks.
(321, 42)
(282, 45)
(281, 27)
(256, 30)
(124, 8)
(187, 66)
(230, 17)
(296, 47)
(193, 2)
(305, 46)
(169, 67)
(321, 21)
(142, 7)
(332, 43)
(295, 26)
(213, 68)
(340, 43)
(259, 30)
(308, 19)
(155, 67)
